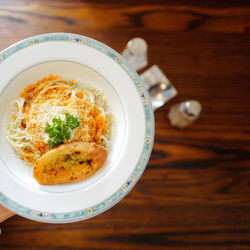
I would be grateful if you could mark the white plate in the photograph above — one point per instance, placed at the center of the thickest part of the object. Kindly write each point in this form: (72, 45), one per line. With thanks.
(93, 64)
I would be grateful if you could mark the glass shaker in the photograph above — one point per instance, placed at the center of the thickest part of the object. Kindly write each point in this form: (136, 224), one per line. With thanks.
(183, 114)
(158, 85)
(136, 53)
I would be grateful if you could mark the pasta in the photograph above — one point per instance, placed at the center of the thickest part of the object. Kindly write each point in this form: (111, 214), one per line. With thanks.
(54, 99)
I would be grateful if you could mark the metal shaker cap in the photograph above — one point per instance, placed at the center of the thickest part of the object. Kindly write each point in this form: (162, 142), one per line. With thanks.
(191, 109)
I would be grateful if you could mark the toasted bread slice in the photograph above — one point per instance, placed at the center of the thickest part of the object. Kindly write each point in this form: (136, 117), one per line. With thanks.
(69, 162)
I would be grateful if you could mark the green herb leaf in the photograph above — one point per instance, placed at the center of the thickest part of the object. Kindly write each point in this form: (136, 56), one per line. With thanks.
(60, 130)
(71, 121)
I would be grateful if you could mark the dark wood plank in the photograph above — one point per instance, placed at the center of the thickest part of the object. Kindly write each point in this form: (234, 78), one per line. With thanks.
(195, 192)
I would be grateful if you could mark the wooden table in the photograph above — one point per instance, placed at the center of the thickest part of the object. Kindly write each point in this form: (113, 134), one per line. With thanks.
(195, 192)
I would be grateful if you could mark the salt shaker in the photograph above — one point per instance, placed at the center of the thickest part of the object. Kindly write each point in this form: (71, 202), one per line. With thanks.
(183, 114)
(136, 53)
(159, 87)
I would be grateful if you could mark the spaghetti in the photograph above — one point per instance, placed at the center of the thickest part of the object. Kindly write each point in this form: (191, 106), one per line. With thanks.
(53, 97)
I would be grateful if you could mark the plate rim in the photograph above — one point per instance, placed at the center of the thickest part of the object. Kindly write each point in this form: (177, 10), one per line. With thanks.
(149, 132)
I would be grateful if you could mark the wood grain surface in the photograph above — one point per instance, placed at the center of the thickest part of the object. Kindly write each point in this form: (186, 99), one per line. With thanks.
(195, 191)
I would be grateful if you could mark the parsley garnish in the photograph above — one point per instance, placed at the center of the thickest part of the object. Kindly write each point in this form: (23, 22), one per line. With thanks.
(59, 131)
